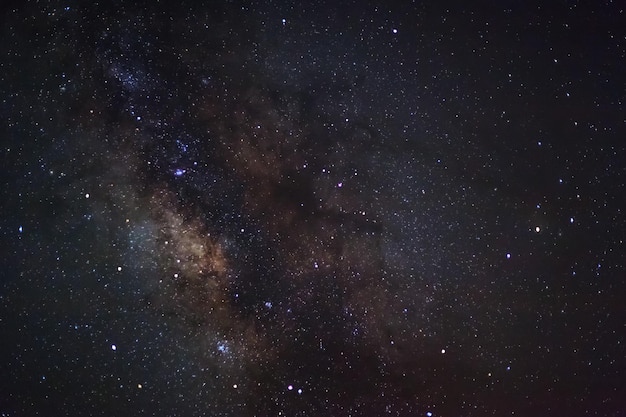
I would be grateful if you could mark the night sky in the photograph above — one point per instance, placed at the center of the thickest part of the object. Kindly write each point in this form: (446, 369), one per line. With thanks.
(330, 208)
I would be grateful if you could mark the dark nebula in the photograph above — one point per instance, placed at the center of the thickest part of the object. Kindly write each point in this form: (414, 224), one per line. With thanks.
(313, 209)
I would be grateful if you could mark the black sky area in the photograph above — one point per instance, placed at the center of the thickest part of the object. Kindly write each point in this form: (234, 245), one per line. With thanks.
(313, 209)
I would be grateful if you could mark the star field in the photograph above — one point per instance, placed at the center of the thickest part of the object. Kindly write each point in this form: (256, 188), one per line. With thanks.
(313, 209)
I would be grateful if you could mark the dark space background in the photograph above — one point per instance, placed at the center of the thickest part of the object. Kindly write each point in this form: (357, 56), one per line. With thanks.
(313, 209)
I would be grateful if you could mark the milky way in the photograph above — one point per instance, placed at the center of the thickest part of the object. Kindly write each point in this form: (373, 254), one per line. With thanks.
(298, 210)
